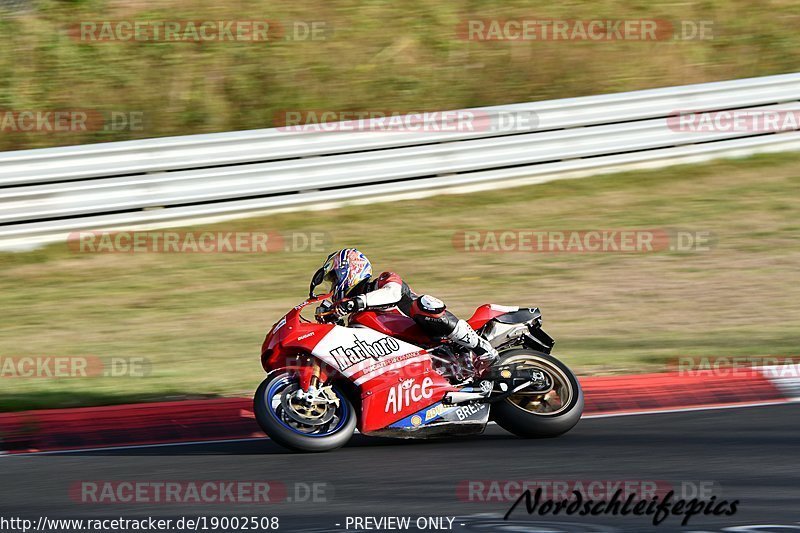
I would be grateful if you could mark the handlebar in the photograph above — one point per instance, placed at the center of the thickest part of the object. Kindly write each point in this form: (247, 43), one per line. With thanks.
(318, 298)
(324, 313)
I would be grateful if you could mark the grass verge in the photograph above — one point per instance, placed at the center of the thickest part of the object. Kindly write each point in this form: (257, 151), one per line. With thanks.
(198, 319)
(377, 55)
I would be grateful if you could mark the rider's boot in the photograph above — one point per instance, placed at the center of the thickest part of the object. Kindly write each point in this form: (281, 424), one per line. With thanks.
(465, 336)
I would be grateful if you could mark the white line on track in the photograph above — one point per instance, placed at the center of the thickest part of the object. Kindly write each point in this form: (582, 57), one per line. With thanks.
(133, 447)
(253, 439)
(687, 409)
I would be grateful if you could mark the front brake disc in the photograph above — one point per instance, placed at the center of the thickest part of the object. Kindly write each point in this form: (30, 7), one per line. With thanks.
(313, 414)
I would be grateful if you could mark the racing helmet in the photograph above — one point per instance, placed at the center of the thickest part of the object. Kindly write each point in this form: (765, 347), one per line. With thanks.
(343, 270)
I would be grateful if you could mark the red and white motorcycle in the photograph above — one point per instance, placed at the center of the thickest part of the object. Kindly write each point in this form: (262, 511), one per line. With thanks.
(383, 375)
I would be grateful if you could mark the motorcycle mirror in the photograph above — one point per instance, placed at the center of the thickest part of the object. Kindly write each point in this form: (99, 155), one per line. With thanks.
(316, 280)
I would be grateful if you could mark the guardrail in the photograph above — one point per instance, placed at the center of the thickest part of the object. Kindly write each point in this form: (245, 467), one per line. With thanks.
(45, 194)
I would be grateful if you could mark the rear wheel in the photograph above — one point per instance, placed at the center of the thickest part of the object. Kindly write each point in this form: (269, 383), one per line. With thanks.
(324, 423)
(541, 413)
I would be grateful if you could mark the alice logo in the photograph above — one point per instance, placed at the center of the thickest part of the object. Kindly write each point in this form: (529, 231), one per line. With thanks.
(407, 393)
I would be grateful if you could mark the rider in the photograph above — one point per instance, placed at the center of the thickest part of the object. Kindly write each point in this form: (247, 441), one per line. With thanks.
(354, 289)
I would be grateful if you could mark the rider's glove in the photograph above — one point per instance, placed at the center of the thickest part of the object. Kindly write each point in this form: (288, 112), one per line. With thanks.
(325, 312)
(351, 305)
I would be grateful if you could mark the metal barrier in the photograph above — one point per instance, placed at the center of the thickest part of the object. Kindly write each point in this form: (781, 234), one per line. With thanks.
(45, 194)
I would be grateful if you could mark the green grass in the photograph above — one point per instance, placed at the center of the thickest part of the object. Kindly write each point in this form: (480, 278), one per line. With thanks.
(199, 319)
(383, 55)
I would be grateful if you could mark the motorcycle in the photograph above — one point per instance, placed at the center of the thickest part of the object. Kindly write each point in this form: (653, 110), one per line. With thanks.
(384, 376)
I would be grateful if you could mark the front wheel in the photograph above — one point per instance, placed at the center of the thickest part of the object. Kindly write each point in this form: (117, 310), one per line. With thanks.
(320, 425)
(547, 413)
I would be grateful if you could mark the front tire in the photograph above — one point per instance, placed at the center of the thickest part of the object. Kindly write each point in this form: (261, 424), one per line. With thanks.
(540, 415)
(269, 409)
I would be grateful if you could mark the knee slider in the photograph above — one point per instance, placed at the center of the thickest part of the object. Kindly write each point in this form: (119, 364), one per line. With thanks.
(428, 306)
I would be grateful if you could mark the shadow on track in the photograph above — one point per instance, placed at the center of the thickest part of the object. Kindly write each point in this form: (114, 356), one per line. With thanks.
(267, 447)
(687, 434)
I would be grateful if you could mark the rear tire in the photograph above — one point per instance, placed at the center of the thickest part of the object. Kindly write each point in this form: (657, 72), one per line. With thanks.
(525, 423)
(288, 437)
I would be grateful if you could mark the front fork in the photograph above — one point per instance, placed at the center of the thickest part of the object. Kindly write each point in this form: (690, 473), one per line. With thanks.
(309, 376)
(311, 380)
(315, 373)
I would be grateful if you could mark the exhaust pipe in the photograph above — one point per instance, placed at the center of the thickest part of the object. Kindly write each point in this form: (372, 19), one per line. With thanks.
(454, 398)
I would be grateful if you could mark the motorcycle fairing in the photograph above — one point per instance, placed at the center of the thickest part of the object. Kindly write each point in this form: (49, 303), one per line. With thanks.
(395, 378)
(357, 352)
(486, 312)
(288, 335)
(521, 316)
(440, 419)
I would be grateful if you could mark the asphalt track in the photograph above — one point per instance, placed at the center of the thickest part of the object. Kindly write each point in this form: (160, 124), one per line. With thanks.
(746, 454)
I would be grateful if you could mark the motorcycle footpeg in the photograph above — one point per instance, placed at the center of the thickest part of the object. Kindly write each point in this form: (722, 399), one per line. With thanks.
(482, 391)
(462, 397)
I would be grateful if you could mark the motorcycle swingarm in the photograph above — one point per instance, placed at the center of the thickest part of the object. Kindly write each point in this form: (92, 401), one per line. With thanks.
(516, 379)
